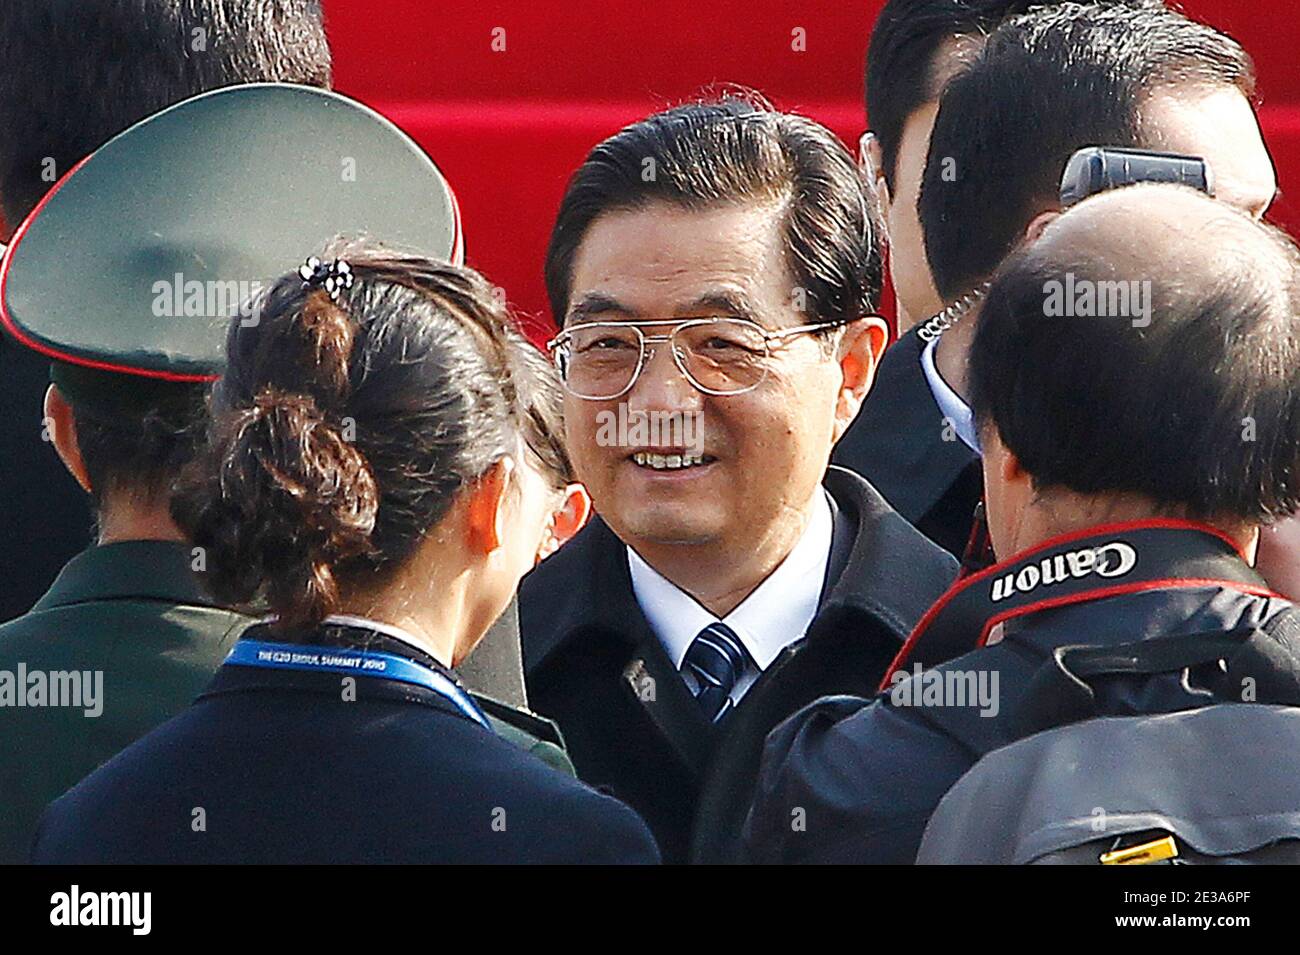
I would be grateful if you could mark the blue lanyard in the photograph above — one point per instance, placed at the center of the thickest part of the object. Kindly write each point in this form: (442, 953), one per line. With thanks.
(386, 666)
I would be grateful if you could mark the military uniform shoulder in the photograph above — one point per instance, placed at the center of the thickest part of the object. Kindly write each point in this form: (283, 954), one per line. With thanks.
(527, 731)
(93, 628)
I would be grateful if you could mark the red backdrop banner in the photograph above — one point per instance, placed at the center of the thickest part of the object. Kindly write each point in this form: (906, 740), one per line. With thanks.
(509, 95)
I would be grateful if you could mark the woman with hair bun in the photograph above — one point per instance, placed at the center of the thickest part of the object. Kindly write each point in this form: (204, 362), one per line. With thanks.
(384, 465)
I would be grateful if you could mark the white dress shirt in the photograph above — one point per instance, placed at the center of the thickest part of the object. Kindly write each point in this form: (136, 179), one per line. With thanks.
(953, 406)
(771, 618)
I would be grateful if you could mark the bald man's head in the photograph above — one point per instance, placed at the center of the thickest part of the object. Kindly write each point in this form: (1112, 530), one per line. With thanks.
(1149, 342)
(1164, 229)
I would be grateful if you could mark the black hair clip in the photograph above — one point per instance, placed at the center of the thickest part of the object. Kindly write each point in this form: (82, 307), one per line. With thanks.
(334, 276)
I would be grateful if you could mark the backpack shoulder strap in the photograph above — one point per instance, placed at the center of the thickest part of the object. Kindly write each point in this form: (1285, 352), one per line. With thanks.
(1062, 692)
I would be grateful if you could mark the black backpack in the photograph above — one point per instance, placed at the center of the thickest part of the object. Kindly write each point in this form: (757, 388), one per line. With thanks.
(1058, 783)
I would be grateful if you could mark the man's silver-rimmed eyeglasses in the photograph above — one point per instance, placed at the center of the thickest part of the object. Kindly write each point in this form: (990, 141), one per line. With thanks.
(600, 361)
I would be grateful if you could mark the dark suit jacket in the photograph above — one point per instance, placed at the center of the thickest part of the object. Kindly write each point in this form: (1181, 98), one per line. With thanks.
(899, 443)
(594, 665)
(277, 766)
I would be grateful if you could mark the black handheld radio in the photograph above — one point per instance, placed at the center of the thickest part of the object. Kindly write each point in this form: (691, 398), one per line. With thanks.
(1096, 169)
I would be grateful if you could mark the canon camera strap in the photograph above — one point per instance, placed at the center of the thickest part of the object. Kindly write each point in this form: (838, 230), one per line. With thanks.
(1103, 561)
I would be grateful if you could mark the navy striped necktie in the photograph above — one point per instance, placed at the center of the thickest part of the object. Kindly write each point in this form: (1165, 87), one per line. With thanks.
(716, 659)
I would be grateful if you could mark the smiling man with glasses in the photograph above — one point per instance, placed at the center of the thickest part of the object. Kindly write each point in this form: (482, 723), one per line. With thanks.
(715, 264)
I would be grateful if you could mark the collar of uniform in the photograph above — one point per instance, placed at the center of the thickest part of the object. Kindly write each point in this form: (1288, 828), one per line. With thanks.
(896, 442)
(891, 572)
(141, 570)
(774, 615)
(410, 646)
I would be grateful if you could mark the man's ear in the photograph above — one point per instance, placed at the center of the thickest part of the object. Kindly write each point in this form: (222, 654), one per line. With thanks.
(1038, 224)
(486, 510)
(568, 519)
(1010, 470)
(1001, 466)
(1008, 490)
(860, 349)
(61, 426)
(873, 165)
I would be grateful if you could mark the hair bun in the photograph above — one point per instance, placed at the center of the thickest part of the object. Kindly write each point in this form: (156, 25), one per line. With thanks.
(315, 466)
(293, 500)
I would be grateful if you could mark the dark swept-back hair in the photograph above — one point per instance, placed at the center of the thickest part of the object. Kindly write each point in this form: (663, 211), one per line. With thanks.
(1198, 411)
(78, 72)
(902, 73)
(1044, 85)
(343, 430)
(734, 149)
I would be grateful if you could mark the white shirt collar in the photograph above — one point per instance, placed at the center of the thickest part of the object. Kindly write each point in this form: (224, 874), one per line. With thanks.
(771, 618)
(365, 623)
(953, 406)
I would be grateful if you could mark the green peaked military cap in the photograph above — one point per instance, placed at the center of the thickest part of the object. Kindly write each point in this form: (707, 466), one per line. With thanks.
(137, 260)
